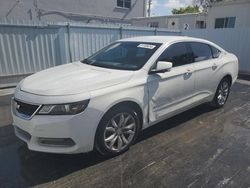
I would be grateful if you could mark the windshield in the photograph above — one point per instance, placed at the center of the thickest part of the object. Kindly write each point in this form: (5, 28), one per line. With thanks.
(123, 55)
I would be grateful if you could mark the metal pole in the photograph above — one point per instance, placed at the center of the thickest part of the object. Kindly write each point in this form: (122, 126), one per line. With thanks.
(149, 7)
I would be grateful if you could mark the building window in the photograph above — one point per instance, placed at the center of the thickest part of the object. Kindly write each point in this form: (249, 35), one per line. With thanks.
(124, 3)
(228, 22)
(200, 24)
(153, 24)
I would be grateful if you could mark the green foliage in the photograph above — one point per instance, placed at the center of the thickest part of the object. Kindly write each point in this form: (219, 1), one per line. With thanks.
(185, 10)
(205, 3)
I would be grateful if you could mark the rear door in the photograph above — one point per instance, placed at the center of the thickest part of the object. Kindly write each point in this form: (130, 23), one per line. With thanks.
(206, 69)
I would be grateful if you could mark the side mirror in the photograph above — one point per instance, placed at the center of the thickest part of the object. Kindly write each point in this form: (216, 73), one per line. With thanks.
(161, 67)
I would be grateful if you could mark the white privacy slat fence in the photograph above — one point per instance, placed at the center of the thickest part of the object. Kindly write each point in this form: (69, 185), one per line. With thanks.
(26, 48)
(235, 40)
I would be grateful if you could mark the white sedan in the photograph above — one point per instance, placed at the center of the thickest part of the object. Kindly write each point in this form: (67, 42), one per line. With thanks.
(105, 100)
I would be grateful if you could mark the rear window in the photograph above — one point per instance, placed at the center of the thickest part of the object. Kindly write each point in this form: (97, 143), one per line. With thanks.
(216, 52)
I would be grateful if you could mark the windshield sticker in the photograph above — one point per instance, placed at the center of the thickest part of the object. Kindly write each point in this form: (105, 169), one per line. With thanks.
(148, 46)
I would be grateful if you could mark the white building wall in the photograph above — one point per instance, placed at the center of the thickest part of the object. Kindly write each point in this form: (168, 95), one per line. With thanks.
(190, 20)
(143, 22)
(69, 10)
(167, 21)
(239, 9)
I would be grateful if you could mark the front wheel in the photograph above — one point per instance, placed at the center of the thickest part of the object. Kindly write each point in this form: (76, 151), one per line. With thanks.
(117, 131)
(222, 93)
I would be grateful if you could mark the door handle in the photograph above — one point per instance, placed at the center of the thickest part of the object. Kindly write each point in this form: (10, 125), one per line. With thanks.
(189, 71)
(214, 66)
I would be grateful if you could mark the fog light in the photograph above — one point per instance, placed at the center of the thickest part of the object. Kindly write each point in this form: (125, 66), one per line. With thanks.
(56, 142)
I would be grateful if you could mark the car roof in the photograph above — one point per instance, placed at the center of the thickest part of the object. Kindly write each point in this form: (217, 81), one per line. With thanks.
(167, 40)
(162, 39)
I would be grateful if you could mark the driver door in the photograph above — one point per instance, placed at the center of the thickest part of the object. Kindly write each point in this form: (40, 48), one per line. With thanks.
(172, 91)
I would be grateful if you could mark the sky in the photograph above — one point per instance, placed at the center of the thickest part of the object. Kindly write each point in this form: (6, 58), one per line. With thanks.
(164, 7)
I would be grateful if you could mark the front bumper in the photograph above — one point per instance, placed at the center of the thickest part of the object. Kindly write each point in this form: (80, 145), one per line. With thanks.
(75, 133)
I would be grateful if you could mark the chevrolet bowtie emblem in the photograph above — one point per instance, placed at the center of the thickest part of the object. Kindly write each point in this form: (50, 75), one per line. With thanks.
(17, 106)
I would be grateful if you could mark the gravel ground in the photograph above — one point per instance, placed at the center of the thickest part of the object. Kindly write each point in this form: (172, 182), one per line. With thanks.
(202, 147)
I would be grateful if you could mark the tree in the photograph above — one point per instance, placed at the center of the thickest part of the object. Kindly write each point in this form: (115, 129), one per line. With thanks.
(204, 4)
(185, 10)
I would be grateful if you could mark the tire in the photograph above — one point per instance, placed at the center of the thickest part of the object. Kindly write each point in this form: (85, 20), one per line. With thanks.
(117, 130)
(222, 93)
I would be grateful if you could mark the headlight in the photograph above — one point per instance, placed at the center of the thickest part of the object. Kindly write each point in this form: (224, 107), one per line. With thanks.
(64, 109)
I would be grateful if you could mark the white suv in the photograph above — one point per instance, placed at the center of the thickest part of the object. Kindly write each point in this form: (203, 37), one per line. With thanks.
(103, 101)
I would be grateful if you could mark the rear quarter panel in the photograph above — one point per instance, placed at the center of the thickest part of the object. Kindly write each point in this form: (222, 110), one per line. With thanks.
(231, 66)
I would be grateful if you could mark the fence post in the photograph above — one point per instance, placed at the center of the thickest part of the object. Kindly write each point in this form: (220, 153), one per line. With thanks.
(120, 30)
(61, 47)
(155, 31)
(70, 53)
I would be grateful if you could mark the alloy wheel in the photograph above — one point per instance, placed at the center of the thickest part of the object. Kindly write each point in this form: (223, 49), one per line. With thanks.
(119, 132)
(223, 93)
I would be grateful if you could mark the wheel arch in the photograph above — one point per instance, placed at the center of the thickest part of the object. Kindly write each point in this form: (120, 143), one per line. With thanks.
(131, 103)
(229, 77)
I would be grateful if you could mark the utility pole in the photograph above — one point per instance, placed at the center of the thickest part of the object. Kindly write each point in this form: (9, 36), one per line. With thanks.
(149, 7)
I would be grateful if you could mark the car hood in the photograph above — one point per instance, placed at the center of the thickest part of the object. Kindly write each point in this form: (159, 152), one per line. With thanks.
(73, 78)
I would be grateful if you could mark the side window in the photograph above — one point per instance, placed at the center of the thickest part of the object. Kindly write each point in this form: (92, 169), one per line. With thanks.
(178, 54)
(201, 51)
(216, 52)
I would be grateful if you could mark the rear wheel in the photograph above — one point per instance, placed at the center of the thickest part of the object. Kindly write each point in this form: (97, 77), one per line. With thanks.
(117, 131)
(222, 93)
